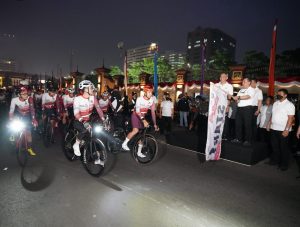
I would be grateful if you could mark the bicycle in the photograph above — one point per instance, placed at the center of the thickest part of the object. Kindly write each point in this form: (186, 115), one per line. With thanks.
(19, 127)
(91, 147)
(49, 128)
(115, 136)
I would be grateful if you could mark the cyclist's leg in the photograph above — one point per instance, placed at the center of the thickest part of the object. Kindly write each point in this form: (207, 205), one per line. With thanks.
(136, 125)
(28, 135)
(81, 133)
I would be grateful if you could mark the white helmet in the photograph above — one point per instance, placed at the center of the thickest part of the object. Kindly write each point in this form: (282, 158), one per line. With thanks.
(85, 83)
(71, 90)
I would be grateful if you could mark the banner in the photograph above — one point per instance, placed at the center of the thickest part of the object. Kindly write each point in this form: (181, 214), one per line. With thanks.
(216, 119)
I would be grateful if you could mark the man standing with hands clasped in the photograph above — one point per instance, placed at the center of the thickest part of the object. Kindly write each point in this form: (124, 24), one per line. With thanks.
(244, 113)
(283, 113)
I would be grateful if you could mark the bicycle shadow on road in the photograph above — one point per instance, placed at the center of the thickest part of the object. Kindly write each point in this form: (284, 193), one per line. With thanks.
(37, 176)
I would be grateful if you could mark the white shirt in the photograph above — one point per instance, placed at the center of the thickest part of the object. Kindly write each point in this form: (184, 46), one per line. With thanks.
(227, 87)
(258, 96)
(265, 115)
(247, 102)
(280, 113)
(166, 108)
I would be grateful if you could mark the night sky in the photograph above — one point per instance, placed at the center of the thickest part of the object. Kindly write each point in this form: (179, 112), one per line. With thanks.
(46, 31)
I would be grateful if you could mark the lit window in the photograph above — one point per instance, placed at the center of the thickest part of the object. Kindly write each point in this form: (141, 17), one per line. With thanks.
(189, 47)
(214, 41)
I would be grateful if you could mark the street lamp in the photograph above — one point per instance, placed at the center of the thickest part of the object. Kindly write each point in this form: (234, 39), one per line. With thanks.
(154, 47)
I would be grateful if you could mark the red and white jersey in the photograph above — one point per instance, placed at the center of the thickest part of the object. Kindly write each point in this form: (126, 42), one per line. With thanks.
(48, 102)
(143, 105)
(68, 101)
(104, 104)
(23, 107)
(83, 107)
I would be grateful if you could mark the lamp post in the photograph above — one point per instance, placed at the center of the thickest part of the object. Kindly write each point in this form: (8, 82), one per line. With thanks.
(120, 47)
(154, 47)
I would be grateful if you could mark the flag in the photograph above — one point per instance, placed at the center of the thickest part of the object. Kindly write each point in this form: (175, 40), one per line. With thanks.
(272, 61)
(216, 120)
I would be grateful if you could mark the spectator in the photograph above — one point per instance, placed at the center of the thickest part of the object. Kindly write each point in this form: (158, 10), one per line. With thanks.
(281, 124)
(256, 107)
(232, 116)
(243, 119)
(166, 114)
(183, 108)
(264, 119)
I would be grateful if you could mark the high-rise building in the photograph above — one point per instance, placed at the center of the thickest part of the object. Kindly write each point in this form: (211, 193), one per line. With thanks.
(7, 65)
(214, 39)
(137, 54)
(175, 59)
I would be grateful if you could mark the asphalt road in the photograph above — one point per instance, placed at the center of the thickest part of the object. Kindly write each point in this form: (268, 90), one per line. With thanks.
(177, 190)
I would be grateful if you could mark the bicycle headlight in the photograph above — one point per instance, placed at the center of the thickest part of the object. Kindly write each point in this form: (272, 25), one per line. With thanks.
(16, 125)
(98, 128)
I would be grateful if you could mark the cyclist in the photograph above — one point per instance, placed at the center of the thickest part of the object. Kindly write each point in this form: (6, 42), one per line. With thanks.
(104, 102)
(68, 100)
(83, 108)
(50, 105)
(143, 104)
(25, 110)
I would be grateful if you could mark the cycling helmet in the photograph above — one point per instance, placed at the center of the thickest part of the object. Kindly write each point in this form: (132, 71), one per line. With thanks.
(105, 94)
(71, 90)
(148, 88)
(85, 83)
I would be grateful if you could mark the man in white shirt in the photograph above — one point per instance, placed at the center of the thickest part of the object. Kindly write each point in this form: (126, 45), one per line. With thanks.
(166, 114)
(243, 119)
(228, 89)
(283, 114)
(257, 104)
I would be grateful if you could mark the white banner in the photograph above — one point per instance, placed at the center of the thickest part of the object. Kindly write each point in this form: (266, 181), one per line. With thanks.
(216, 119)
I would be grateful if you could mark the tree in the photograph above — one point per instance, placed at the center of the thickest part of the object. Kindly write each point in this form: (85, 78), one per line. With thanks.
(220, 61)
(255, 59)
(134, 70)
(115, 70)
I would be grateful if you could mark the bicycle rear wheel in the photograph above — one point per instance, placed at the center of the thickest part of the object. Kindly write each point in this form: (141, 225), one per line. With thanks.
(93, 151)
(22, 156)
(48, 135)
(149, 149)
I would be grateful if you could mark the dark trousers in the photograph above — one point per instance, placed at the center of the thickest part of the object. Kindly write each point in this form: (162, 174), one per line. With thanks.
(243, 122)
(166, 125)
(231, 128)
(281, 150)
(80, 128)
(254, 123)
(265, 136)
(226, 128)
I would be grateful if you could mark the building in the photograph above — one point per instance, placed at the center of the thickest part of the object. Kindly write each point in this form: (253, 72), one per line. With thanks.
(7, 65)
(137, 54)
(175, 59)
(214, 39)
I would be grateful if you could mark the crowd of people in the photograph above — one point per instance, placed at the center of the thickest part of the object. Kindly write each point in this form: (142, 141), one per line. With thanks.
(250, 116)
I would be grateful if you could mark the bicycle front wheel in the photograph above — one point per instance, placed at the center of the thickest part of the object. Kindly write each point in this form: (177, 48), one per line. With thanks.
(22, 155)
(94, 151)
(149, 149)
(68, 143)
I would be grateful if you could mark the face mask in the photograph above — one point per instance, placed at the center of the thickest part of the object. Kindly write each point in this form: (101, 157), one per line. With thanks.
(279, 97)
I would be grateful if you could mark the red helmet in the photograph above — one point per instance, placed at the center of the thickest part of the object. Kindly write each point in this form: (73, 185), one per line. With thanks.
(148, 88)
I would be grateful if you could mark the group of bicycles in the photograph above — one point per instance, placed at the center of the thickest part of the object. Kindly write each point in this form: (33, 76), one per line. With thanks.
(102, 137)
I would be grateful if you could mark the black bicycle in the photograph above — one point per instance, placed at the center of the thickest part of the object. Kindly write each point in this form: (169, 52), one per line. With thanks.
(114, 138)
(93, 151)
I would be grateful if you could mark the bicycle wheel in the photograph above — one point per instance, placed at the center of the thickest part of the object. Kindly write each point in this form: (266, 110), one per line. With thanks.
(115, 139)
(68, 142)
(48, 135)
(94, 150)
(149, 149)
(22, 155)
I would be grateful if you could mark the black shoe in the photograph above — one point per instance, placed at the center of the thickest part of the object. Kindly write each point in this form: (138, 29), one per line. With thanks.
(247, 144)
(236, 141)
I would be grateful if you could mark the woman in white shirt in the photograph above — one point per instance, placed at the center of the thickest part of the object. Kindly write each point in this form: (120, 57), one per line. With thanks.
(264, 119)
(166, 114)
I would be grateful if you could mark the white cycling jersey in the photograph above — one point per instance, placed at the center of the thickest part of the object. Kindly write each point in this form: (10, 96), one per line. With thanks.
(24, 108)
(48, 102)
(143, 105)
(68, 101)
(83, 107)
